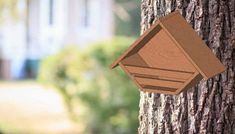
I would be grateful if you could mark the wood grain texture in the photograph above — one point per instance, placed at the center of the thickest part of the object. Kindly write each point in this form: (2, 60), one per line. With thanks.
(164, 77)
(130, 76)
(162, 52)
(158, 82)
(138, 44)
(134, 60)
(192, 81)
(171, 44)
(167, 74)
(192, 45)
(158, 89)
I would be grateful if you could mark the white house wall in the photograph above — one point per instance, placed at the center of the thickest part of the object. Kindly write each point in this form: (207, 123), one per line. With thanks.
(68, 27)
(34, 46)
(13, 42)
(52, 36)
(34, 38)
(72, 21)
(100, 21)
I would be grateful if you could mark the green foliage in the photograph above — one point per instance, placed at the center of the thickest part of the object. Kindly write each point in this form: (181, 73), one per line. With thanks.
(109, 99)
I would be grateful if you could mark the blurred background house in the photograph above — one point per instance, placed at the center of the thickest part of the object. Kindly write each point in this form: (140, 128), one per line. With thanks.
(54, 66)
(43, 27)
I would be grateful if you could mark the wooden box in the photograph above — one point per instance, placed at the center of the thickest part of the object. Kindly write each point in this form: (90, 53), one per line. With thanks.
(169, 57)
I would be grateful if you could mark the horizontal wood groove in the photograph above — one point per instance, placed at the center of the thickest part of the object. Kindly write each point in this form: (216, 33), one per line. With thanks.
(156, 77)
(123, 67)
(146, 87)
(147, 67)
(157, 82)
(160, 73)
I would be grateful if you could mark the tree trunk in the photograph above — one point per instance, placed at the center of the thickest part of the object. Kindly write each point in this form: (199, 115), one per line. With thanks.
(208, 107)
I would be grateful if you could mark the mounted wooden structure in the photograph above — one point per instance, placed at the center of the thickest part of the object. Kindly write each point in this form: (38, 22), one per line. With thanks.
(169, 57)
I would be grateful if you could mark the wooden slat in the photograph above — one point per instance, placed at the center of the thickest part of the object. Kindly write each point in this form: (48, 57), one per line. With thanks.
(130, 76)
(168, 74)
(156, 82)
(171, 92)
(150, 87)
(156, 77)
(194, 79)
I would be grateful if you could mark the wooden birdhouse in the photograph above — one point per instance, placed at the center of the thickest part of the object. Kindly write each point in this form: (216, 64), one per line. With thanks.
(169, 57)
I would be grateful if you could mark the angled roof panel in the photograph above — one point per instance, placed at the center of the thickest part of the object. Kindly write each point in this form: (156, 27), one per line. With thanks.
(139, 43)
(192, 45)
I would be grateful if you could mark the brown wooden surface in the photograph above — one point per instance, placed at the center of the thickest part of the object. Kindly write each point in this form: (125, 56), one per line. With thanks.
(167, 74)
(169, 57)
(158, 82)
(130, 76)
(159, 90)
(179, 33)
(148, 81)
(157, 77)
(138, 44)
(192, 81)
(161, 52)
(135, 60)
(192, 45)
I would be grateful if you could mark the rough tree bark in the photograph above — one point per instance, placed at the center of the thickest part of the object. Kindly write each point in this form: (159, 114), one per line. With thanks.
(210, 106)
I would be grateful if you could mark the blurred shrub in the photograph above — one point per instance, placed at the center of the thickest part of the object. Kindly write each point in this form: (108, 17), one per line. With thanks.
(109, 100)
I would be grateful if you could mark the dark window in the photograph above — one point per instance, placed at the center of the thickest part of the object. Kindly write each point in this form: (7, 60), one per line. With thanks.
(51, 12)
